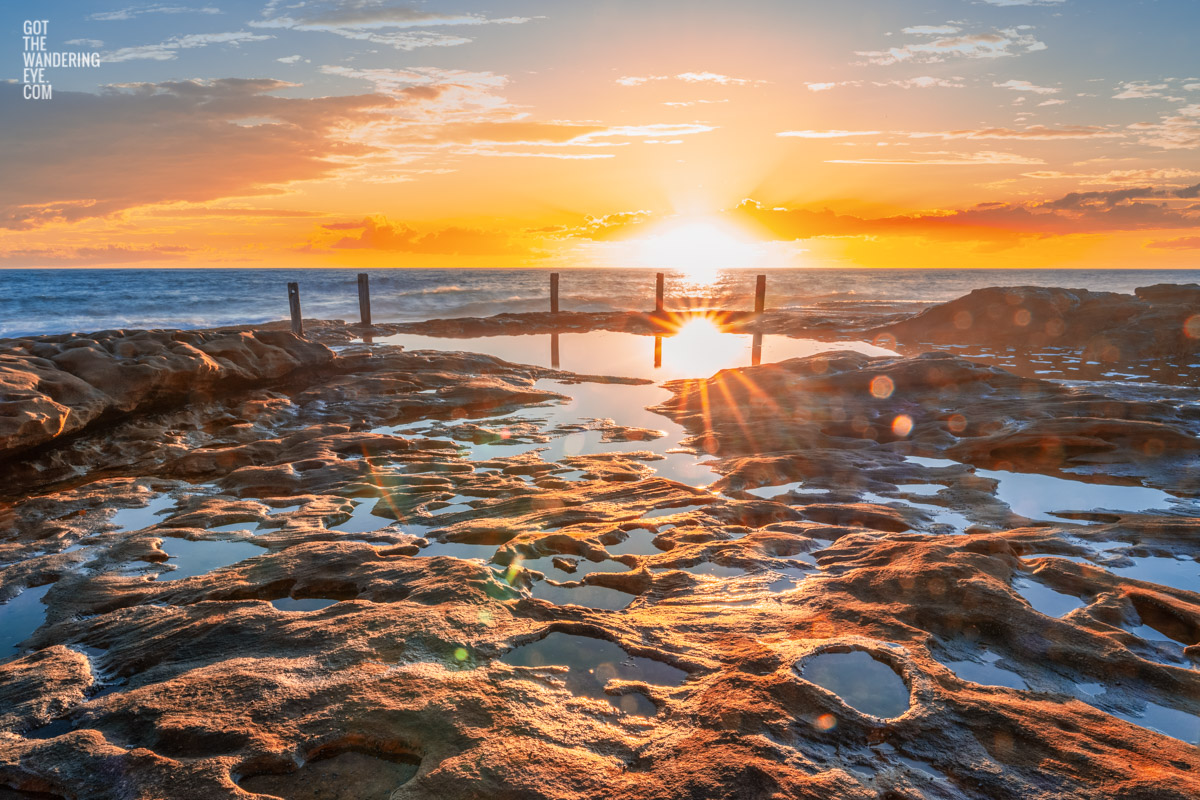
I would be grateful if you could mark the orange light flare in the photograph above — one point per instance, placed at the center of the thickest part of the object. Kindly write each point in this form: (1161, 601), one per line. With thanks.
(700, 248)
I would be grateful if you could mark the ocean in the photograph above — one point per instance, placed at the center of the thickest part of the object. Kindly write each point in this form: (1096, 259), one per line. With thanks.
(86, 300)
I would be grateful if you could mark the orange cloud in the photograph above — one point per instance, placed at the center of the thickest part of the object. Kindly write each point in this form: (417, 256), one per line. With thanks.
(379, 234)
(145, 143)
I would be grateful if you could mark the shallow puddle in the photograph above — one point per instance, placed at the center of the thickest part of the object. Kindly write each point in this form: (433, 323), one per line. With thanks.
(598, 597)
(583, 566)
(592, 663)
(985, 672)
(134, 519)
(347, 776)
(860, 680)
(1046, 600)
(461, 550)
(20, 617)
(1178, 573)
(698, 349)
(1039, 496)
(670, 511)
(772, 492)
(1168, 721)
(191, 558)
(362, 520)
(708, 568)
(637, 542)
(302, 603)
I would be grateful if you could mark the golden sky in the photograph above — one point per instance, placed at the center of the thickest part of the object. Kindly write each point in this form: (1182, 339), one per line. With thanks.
(873, 133)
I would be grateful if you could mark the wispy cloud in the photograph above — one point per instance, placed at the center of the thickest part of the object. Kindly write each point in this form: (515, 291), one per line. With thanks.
(137, 11)
(1181, 243)
(1032, 133)
(378, 233)
(919, 82)
(949, 41)
(1023, 2)
(827, 134)
(169, 50)
(399, 27)
(1026, 86)
(945, 159)
(1177, 131)
(1139, 90)
(688, 77)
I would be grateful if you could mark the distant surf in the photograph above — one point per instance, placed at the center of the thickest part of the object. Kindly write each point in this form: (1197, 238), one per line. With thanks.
(86, 300)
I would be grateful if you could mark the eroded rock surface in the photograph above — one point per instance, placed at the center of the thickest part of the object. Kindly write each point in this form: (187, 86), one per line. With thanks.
(1160, 320)
(386, 582)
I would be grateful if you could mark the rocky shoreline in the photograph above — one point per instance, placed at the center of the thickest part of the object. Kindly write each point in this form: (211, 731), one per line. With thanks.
(244, 564)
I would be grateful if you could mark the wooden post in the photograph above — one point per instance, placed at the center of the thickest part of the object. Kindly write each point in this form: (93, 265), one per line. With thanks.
(553, 292)
(554, 350)
(658, 293)
(756, 350)
(760, 294)
(294, 305)
(657, 352)
(364, 298)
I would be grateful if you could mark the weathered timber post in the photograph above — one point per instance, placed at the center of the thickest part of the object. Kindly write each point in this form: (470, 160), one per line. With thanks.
(364, 298)
(657, 352)
(658, 293)
(760, 294)
(294, 305)
(554, 350)
(756, 350)
(553, 292)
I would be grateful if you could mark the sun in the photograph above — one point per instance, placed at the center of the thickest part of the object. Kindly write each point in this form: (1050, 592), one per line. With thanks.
(700, 248)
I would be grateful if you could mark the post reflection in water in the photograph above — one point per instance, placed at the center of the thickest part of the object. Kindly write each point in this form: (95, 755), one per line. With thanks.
(554, 350)
(756, 350)
(657, 352)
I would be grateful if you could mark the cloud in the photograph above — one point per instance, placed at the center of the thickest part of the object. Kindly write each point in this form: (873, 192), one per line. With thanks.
(169, 50)
(137, 11)
(380, 234)
(940, 47)
(1177, 131)
(1075, 213)
(920, 82)
(293, 59)
(1026, 86)
(91, 44)
(145, 143)
(944, 159)
(1182, 243)
(1137, 90)
(688, 77)
(1023, 2)
(431, 90)
(1032, 133)
(392, 26)
(108, 254)
(233, 212)
(685, 103)
(827, 134)
(925, 82)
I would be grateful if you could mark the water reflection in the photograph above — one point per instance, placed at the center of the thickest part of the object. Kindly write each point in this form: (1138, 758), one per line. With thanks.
(696, 349)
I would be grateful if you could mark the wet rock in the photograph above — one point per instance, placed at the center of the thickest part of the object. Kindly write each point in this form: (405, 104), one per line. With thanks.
(1103, 325)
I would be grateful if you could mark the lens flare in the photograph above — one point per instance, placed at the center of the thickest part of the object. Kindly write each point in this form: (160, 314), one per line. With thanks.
(882, 387)
(902, 425)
